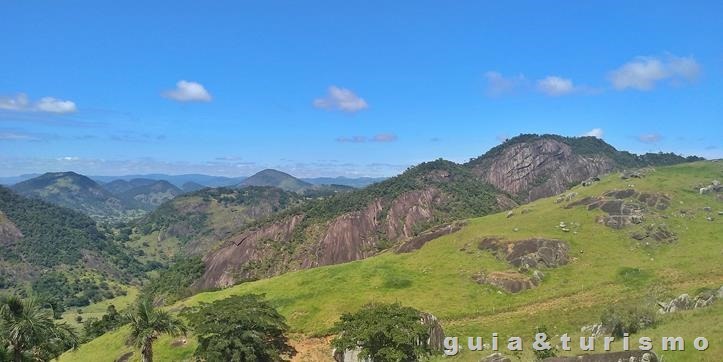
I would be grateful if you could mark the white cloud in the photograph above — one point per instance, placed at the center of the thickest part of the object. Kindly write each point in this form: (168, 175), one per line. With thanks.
(341, 99)
(187, 91)
(650, 138)
(555, 86)
(643, 73)
(53, 105)
(497, 84)
(21, 103)
(595, 132)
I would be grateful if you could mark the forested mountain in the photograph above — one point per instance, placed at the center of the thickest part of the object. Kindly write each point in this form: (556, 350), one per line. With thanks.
(80, 193)
(361, 223)
(58, 253)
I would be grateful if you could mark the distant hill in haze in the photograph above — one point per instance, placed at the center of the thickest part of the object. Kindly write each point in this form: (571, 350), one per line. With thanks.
(177, 180)
(358, 182)
(149, 195)
(80, 193)
(191, 186)
(274, 178)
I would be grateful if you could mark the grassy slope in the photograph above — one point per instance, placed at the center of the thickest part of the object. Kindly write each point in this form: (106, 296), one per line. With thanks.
(437, 278)
(97, 310)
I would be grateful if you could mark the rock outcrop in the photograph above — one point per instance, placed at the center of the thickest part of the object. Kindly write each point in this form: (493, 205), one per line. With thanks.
(9, 233)
(530, 253)
(540, 168)
(282, 246)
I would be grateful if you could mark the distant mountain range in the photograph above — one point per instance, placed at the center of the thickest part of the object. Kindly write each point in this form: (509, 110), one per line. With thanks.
(193, 182)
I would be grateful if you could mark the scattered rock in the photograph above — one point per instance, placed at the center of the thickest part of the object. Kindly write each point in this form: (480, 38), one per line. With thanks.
(660, 233)
(681, 302)
(530, 253)
(709, 218)
(590, 181)
(594, 330)
(421, 239)
(714, 186)
(537, 277)
(707, 208)
(496, 357)
(526, 211)
(510, 214)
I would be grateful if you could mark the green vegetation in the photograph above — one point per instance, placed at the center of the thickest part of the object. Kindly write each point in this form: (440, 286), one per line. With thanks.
(600, 274)
(66, 258)
(239, 328)
(28, 332)
(147, 323)
(628, 318)
(80, 193)
(112, 320)
(173, 283)
(383, 332)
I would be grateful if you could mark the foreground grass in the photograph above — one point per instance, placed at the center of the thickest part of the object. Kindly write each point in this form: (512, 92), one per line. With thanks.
(438, 277)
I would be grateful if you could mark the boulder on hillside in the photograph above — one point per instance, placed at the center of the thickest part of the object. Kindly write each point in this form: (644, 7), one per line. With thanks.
(529, 253)
(496, 357)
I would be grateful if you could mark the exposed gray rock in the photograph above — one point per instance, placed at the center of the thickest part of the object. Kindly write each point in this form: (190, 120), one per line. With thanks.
(530, 253)
(595, 330)
(682, 302)
(496, 357)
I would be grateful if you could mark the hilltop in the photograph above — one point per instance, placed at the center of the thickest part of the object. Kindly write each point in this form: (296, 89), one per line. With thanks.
(362, 223)
(661, 247)
(80, 193)
(276, 178)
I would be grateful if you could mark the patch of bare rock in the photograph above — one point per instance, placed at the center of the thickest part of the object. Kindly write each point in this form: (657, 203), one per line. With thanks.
(526, 255)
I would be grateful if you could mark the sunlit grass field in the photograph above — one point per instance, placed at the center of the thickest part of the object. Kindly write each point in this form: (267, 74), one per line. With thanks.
(438, 277)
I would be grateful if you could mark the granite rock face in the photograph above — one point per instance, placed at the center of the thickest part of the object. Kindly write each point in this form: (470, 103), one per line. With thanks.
(540, 168)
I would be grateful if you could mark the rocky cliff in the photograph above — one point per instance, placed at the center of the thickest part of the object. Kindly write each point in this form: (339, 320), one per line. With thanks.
(540, 168)
(397, 211)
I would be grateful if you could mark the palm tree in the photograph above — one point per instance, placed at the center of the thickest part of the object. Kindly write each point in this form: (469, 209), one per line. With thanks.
(28, 332)
(147, 324)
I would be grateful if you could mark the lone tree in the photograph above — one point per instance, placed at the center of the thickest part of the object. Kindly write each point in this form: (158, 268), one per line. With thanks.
(383, 332)
(28, 332)
(148, 323)
(239, 328)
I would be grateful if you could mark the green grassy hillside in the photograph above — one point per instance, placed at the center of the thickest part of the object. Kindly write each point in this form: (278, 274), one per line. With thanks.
(438, 278)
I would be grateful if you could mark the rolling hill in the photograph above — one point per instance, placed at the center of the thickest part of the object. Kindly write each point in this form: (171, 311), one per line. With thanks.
(59, 254)
(194, 223)
(80, 193)
(277, 179)
(362, 223)
(617, 242)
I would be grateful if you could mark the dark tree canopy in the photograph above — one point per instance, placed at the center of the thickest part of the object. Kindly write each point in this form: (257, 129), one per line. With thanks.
(383, 332)
(240, 328)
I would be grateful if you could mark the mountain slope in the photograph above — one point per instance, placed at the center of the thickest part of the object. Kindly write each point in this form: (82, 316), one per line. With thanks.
(535, 166)
(362, 223)
(276, 178)
(150, 196)
(77, 192)
(41, 241)
(354, 225)
(606, 267)
(194, 223)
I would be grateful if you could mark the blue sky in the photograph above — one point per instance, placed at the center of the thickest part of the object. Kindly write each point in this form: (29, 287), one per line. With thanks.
(355, 88)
